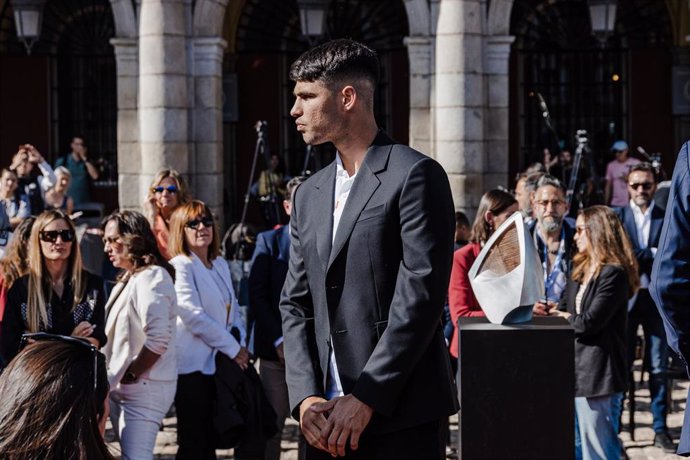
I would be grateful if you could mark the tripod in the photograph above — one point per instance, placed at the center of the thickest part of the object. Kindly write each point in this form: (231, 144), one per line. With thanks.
(582, 153)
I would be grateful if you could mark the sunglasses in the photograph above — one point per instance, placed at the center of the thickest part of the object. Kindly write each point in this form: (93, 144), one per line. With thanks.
(51, 236)
(207, 221)
(169, 188)
(45, 337)
(644, 185)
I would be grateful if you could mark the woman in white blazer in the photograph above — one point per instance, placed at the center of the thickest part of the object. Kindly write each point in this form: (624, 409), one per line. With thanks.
(208, 312)
(140, 326)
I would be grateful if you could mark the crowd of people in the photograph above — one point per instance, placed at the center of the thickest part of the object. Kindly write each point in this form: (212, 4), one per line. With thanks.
(597, 270)
(344, 312)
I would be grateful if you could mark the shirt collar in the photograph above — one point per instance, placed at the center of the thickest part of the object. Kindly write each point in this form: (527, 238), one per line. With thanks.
(340, 170)
(636, 209)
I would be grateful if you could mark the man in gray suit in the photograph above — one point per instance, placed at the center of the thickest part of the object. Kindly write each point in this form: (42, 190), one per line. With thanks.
(371, 250)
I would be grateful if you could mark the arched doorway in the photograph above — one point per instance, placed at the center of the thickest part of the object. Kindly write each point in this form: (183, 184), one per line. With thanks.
(66, 87)
(265, 42)
(602, 88)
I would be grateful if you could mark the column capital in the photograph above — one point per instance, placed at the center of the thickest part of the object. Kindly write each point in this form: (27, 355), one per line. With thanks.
(498, 53)
(208, 56)
(125, 47)
(419, 51)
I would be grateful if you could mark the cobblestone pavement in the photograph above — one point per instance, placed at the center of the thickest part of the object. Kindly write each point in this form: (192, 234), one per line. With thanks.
(641, 448)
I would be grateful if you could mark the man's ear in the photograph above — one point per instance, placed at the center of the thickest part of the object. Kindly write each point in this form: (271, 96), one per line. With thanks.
(348, 97)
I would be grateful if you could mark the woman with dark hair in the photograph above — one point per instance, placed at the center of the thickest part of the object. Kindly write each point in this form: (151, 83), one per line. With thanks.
(57, 295)
(54, 402)
(168, 191)
(142, 309)
(604, 277)
(208, 311)
(494, 208)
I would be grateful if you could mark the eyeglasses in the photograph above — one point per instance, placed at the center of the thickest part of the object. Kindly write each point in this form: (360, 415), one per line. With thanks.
(581, 228)
(207, 221)
(51, 236)
(554, 203)
(169, 188)
(644, 185)
(45, 337)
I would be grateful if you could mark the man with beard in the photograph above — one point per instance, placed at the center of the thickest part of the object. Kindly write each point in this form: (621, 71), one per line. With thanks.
(553, 236)
(642, 221)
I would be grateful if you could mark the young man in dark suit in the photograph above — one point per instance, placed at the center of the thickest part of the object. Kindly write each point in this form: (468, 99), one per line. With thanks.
(266, 279)
(371, 251)
(642, 221)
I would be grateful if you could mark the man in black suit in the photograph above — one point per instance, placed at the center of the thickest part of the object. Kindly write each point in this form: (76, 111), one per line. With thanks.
(266, 279)
(371, 248)
(642, 221)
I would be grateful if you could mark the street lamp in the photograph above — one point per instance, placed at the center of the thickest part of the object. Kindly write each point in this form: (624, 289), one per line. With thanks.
(602, 14)
(312, 17)
(28, 17)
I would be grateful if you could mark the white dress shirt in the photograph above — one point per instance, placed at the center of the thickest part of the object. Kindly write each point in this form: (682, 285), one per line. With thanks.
(643, 222)
(343, 185)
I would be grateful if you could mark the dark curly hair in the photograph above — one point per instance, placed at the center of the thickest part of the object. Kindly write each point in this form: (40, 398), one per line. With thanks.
(138, 240)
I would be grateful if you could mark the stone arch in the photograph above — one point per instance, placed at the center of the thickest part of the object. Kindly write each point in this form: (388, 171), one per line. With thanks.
(499, 17)
(208, 18)
(418, 17)
(125, 19)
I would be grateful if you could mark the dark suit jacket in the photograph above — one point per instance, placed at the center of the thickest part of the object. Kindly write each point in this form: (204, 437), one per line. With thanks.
(266, 279)
(600, 332)
(645, 258)
(670, 283)
(378, 291)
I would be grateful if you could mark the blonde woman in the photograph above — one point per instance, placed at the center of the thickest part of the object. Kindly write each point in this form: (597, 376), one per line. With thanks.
(57, 296)
(168, 191)
(208, 310)
(142, 310)
(56, 197)
(604, 277)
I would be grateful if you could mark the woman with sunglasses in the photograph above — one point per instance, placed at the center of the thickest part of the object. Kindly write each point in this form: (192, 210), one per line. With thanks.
(57, 296)
(168, 191)
(142, 310)
(494, 208)
(54, 401)
(208, 310)
(604, 277)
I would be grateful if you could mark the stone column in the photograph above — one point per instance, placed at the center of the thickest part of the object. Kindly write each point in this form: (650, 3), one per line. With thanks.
(208, 121)
(163, 96)
(128, 151)
(497, 69)
(419, 50)
(459, 101)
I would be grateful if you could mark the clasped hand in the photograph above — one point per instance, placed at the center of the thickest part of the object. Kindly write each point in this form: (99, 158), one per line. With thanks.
(328, 425)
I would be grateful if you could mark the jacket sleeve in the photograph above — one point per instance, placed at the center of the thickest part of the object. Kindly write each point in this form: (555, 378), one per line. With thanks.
(260, 291)
(427, 224)
(47, 178)
(460, 294)
(670, 280)
(297, 310)
(155, 305)
(611, 287)
(12, 322)
(192, 313)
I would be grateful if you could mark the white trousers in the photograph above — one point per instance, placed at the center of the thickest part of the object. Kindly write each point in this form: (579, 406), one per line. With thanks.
(136, 412)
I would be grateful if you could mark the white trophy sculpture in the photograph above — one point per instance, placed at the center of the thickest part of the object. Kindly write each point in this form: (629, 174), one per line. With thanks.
(507, 278)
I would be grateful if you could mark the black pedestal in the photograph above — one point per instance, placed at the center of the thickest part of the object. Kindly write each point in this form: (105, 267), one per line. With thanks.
(516, 390)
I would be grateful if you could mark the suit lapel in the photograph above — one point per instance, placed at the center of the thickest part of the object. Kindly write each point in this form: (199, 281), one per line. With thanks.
(655, 227)
(363, 188)
(116, 301)
(631, 226)
(322, 208)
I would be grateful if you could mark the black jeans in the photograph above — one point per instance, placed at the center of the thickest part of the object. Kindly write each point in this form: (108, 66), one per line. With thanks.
(194, 406)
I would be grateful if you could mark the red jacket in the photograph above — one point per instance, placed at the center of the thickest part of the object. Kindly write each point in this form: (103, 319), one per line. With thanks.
(460, 296)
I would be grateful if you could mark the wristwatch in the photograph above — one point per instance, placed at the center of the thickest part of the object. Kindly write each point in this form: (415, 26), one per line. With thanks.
(130, 376)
